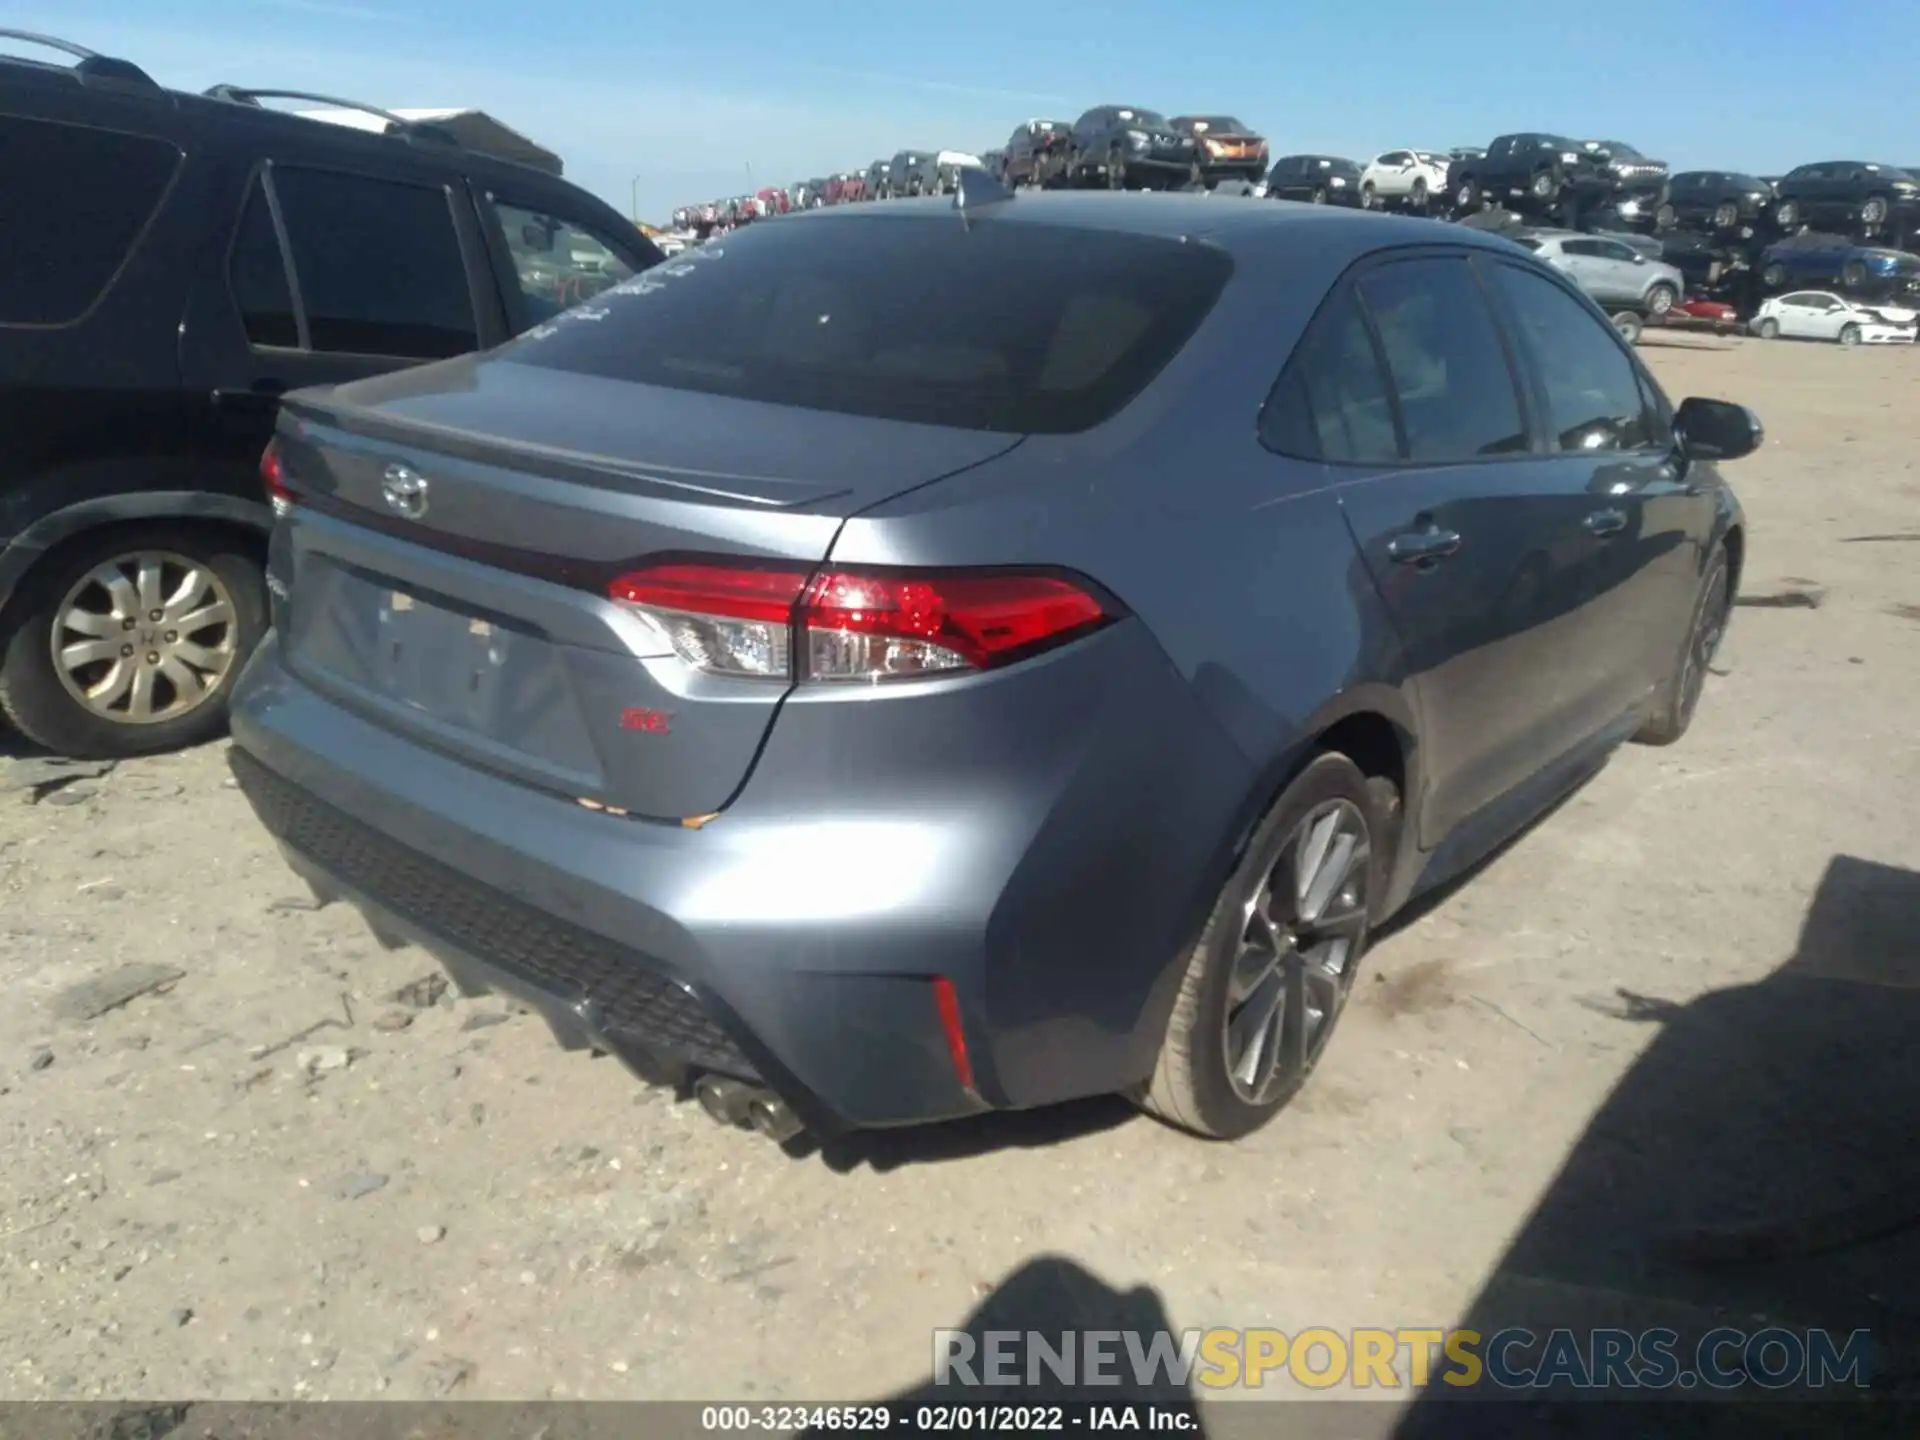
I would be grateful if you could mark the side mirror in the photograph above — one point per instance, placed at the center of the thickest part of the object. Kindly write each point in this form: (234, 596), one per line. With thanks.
(1717, 429)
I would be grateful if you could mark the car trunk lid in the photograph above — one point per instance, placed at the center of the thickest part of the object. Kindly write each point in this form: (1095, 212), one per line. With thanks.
(456, 528)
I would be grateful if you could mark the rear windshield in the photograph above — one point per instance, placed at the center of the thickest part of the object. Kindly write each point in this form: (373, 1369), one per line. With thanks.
(1012, 327)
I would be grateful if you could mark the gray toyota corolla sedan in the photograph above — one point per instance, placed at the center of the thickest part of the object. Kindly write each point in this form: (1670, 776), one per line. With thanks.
(900, 662)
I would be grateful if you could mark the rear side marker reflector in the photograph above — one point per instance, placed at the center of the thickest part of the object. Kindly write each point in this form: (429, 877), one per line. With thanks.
(948, 1003)
(847, 624)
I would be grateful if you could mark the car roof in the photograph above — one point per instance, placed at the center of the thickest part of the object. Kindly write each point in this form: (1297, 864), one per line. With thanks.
(1234, 225)
(235, 122)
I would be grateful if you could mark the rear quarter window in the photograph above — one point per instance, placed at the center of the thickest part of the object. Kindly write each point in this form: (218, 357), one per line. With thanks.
(1015, 327)
(74, 201)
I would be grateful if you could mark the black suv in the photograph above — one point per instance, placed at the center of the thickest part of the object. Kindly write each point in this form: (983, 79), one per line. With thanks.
(1319, 179)
(1721, 200)
(175, 263)
(1127, 148)
(1532, 171)
(1848, 195)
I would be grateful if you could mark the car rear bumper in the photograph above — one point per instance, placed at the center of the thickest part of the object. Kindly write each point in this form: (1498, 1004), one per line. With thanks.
(794, 940)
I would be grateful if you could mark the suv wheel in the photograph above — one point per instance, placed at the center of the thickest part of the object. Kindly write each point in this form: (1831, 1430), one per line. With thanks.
(130, 641)
(1466, 197)
(1726, 215)
(1419, 197)
(1787, 216)
(1266, 983)
(1873, 213)
(1660, 300)
(1543, 186)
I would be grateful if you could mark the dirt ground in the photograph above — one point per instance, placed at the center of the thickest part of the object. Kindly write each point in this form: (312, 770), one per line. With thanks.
(265, 1177)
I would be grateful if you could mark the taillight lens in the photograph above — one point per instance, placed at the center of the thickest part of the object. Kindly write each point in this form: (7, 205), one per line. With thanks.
(854, 624)
(273, 476)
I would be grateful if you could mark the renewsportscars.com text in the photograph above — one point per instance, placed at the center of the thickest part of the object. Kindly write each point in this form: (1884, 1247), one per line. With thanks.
(1390, 1359)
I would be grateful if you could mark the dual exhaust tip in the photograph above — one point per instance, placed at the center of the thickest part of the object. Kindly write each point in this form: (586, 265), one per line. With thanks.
(736, 1103)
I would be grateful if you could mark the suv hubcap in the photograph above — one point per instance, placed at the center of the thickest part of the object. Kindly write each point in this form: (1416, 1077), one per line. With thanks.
(1301, 931)
(144, 637)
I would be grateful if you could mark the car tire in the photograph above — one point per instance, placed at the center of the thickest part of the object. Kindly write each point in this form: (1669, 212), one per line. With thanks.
(1543, 187)
(1627, 325)
(1420, 197)
(1774, 276)
(1660, 299)
(1726, 215)
(1466, 197)
(1786, 215)
(43, 697)
(1850, 336)
(1665, 218)
(1679, 694)
(1369, 197)
(1853, 274)
(1319, 196)
(1873, 212)
(1116, 171)
(1255, 930)
(1768, 329)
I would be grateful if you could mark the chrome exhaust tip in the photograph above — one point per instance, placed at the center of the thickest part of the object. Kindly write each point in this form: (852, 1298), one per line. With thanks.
(770, 1116)
(726, 1102)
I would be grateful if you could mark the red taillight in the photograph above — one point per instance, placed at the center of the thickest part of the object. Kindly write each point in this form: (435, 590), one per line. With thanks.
(948, 1003)
(853, 624)
(273, 476)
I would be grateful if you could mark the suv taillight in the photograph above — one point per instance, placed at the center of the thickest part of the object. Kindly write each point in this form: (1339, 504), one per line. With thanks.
(846, 624)
(273, 478)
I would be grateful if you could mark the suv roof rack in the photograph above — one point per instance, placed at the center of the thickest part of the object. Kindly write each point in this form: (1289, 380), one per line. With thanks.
(88, 68)
(425, 130)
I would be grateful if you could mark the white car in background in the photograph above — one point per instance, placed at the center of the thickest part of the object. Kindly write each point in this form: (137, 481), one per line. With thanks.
(1822, 315)
(1404, 177)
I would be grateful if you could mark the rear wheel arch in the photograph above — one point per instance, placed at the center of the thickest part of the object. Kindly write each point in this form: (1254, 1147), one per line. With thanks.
(246, 523)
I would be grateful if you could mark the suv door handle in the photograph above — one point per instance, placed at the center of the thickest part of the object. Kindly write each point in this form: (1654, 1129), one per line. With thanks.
(1604, 523)
(1420, 546)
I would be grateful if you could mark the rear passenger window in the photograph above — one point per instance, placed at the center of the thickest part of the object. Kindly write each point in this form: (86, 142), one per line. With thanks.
(1331, 402)
(1593, 395)
(379, 265)
(258, 271)
(76, 201)
(1449, 371)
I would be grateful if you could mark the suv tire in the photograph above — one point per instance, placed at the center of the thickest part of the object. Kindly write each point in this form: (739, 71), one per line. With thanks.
(1196, 1083)
(41, 696)
(1873, 212)
(1660, 299)
(1466, 197)
(1544, 187)
(1787, 216)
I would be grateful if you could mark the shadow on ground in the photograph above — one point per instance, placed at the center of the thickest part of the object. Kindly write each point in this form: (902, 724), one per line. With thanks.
(1759, 1166)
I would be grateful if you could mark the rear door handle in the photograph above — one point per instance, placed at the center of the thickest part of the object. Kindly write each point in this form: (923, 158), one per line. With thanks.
(1423, 545)
(1604, 523)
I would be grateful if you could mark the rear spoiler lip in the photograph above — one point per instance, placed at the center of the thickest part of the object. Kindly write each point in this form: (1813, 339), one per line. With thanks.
(327, 411)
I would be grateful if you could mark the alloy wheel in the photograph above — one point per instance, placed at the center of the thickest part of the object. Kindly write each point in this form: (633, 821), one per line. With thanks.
(1302, 930)
(145, 637)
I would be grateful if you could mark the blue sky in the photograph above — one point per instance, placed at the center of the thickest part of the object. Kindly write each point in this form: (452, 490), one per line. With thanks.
(683, 102)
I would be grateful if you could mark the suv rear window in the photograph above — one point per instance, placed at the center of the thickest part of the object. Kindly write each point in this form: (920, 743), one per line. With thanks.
(77, 200)
(1011, 327)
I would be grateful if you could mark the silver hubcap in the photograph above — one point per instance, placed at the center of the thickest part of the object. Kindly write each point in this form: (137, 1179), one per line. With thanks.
(145, 637)
(1301, 933)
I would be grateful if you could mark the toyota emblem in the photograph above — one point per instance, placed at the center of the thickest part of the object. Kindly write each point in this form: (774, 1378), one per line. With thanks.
(405, 492)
